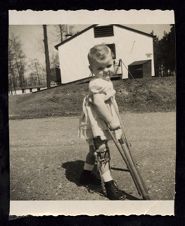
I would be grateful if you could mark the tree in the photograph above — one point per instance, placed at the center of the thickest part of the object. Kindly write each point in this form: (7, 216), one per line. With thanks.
(62, 31)
(16, 63)
(37, 74)
(156, 53)
(54, 60)
(164, 53)
(11, 73)
(170, 57)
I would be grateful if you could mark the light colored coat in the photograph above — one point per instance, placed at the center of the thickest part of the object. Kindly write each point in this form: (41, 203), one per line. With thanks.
(91, 122)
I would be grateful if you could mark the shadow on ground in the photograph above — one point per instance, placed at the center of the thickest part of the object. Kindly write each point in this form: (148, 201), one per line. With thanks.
(73, 170)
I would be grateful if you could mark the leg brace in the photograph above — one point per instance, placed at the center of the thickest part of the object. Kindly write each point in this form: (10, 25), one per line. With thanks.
(102, 153)
(102, 157)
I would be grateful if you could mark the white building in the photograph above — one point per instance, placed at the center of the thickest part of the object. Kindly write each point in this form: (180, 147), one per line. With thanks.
(128, 45)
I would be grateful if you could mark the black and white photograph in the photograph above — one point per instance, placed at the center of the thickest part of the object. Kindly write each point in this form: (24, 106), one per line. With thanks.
(92, 112)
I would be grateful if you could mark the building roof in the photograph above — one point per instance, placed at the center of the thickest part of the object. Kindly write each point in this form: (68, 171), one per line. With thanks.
(74, 36)
(94, 25)
(140, 62)
(134, 30)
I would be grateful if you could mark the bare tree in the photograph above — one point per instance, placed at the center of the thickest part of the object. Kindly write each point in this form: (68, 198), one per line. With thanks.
(37, 74)
(36, 66)
(16, 63)
(54, 60)
(62, 31)
(11, 73)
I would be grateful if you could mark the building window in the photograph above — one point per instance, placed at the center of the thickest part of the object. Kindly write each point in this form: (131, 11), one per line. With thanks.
(103, 31)
(113, 50)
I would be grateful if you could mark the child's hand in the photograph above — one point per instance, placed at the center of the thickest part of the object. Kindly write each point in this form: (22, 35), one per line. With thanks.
(113, 125)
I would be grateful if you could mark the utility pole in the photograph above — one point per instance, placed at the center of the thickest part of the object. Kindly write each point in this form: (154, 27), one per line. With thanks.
(46, 56)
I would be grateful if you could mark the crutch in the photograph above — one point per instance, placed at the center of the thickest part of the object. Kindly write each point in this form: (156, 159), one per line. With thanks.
(125, 153)
(123, 147)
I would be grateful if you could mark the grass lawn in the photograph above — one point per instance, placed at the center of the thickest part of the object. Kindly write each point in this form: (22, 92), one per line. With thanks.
(139, 95)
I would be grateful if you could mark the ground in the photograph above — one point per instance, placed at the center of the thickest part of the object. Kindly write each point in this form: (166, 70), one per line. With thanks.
(46, 157)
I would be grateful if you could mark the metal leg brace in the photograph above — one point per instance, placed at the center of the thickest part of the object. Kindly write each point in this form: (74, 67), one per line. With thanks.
(102, 157)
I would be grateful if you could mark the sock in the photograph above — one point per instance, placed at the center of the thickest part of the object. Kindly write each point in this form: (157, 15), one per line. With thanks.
(88, 167)
(107, 176)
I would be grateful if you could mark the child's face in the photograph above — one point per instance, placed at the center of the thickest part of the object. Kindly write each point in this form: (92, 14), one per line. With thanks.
(103, 70)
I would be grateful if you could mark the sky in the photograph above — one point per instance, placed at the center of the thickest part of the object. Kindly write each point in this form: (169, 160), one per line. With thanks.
(31, 37)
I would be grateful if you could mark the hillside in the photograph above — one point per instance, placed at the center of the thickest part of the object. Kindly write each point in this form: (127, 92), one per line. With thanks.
(139, 95)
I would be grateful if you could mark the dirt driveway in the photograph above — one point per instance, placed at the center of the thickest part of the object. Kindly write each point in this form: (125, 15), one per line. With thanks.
(46, 157)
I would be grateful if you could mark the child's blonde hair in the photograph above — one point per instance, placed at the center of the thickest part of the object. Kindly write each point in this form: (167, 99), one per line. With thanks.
(99, 53)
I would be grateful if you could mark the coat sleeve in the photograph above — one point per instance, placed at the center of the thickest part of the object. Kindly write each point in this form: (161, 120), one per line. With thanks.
(102, 87)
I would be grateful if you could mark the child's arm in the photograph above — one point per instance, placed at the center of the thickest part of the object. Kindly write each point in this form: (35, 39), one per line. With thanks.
(102, 109)
(115, 104)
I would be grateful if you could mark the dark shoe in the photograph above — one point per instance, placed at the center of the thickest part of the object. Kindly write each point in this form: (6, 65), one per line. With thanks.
(113, 193)
(87, 177)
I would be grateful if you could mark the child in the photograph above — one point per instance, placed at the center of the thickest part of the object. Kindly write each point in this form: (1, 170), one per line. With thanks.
(99, 111)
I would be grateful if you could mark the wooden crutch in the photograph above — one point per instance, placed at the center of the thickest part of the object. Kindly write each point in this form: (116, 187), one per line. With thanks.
(125, 153)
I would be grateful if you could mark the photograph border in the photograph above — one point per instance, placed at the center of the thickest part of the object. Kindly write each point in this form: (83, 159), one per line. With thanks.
(180, 175)
(152, 207)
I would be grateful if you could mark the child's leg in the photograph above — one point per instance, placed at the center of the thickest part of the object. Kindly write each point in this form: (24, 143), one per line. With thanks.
(87, 177)
(103, 161)
(103, 158)
(90, 159)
